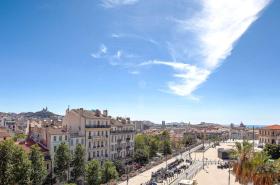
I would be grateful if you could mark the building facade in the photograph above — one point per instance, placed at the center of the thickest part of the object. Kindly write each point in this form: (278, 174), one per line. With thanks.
(122, 135)
(94, 127)
(269, 135)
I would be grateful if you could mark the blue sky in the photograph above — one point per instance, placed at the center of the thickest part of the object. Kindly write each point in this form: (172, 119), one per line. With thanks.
(156, 60)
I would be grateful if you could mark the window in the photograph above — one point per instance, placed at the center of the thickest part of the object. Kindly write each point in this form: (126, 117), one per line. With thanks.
(89, 144)
(54, 148)
(71, 142)
(98, 133)
(60, 138)
(82, 141)
(97, 153)
(54, 138)
(66, 138)
(77, 141)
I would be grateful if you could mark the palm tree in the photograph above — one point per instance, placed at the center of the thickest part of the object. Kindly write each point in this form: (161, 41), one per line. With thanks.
(254, 167)
(243, 166)
(264, 171)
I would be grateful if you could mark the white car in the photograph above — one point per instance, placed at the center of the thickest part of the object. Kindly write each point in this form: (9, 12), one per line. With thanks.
(186, 182)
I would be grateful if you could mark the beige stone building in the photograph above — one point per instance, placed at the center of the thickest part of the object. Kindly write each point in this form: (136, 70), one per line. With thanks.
(94, 127)
(122, 138)
(269, 135)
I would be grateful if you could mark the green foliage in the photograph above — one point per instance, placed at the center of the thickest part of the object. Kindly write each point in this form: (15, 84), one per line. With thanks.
(93, 173)
(21, 167)
(108, 172)
(188, 140)
(14, 164)
(6, 156)
(147, 146)
(119, 166)
(273, 150)
(62, 162)
(153, 146)
(166, 147)
(78, 163)
(141, 155)
(19, 136)
(255, 168)
(38, 168)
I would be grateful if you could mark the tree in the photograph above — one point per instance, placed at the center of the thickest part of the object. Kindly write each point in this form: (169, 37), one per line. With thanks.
(62, 161)
(141, 155)
(254, 168)
(242, 168)
(93, 172)
(165, 144)
(119, 166)
(38, 168)
(166, 147)
(188, 140)
(153, 147)
(6, 156)
(273, 150)
(21, 167)
(263, 171)
(108, 172)
(78, 163)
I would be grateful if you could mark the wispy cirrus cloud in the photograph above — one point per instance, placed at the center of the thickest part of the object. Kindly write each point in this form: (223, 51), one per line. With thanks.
(193, 43)
(134, 36)
(115, 3)
(101, 52)
(190, 76)
(216, 28)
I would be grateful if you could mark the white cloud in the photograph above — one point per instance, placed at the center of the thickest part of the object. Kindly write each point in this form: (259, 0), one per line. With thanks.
(134, 72)
(190, 76)
(216, 28)
(134, 36)
(115, 3)
(118, 54)
(101, 52)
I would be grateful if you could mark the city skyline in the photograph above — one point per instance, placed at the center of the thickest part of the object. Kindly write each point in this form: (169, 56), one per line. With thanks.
(143, 61)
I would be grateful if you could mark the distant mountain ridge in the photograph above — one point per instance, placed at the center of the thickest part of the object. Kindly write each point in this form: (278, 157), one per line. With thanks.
(40, 114)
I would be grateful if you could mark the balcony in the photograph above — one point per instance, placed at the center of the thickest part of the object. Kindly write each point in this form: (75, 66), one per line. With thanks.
(121, 131)
(98, 126)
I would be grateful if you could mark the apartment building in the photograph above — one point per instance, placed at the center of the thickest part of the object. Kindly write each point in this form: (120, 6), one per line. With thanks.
(121, 138)
(94, 127)
(269, 134)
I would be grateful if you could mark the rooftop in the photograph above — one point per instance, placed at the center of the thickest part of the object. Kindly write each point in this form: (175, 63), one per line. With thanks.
(90, 113)
(4, 133)
(272, 127)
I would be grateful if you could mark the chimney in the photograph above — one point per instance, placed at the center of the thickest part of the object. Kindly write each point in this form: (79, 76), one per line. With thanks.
(81, 111)
(105, 113)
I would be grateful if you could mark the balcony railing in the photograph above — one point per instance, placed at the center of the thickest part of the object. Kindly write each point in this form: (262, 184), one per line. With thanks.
(98, 126)
(121, 131)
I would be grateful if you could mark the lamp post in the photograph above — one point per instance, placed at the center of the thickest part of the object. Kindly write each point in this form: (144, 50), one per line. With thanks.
(229, 165)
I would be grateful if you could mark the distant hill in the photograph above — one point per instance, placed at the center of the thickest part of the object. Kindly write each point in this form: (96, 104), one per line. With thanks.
(40, 114)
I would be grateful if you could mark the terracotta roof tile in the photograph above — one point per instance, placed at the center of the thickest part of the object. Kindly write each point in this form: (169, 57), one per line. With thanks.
(272, 127)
